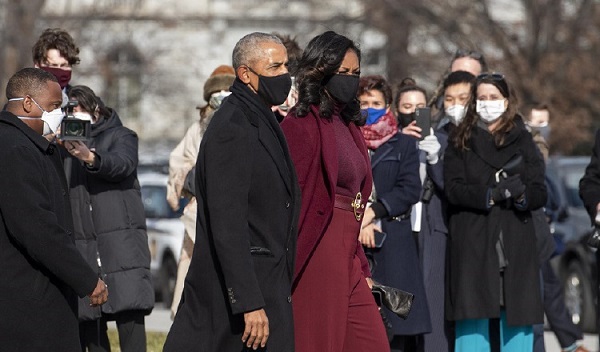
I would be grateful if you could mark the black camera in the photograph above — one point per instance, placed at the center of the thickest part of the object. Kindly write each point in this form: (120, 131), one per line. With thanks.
(74, 129)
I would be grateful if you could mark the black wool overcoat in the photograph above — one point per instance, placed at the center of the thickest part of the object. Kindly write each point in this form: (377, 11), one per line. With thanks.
(474, 228)
(42, 271)
(248, 206)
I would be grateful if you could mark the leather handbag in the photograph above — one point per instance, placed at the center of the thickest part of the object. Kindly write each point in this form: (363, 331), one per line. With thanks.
(398, 301)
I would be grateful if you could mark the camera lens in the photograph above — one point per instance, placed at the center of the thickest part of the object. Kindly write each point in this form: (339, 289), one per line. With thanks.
(74, 128)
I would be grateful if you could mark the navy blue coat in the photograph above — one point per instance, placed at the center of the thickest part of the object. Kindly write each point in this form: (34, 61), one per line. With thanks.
(395, 167)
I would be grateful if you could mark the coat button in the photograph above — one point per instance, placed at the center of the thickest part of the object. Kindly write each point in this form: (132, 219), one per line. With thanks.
(50, 151)
(287, 204)
(289, 299)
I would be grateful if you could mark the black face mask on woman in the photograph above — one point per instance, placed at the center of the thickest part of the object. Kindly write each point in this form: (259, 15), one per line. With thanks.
(274, 90)
(405, 119)
(343, 87)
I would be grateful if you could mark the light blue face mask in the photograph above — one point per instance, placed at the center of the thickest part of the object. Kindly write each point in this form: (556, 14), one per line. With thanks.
(373, 115)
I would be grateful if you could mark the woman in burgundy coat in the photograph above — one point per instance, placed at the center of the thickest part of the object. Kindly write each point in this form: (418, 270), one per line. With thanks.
(334, 309)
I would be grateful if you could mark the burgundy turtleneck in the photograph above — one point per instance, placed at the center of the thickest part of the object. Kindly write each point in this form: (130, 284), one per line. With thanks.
(352, 167)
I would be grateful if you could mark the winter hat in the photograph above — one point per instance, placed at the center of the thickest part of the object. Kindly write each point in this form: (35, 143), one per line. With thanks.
(221, 79)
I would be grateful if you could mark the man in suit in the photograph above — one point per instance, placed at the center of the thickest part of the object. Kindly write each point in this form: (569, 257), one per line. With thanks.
(41, 268)
(237, 294)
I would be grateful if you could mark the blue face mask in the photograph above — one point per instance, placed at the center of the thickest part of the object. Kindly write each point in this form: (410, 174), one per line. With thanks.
(373, 115)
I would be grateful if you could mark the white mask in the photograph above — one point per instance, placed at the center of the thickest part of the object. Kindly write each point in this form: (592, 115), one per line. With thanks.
(490, 110)
(52, 119)
(83, 116)
(217, 98)
(456, 113)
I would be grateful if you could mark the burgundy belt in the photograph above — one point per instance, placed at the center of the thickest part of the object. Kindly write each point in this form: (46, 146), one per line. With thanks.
(351, 204)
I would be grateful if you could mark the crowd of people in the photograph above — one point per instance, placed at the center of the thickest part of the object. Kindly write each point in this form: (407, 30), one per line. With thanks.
(311, 187)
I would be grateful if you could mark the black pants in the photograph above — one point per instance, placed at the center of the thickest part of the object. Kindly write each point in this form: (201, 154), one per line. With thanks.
(132, 332)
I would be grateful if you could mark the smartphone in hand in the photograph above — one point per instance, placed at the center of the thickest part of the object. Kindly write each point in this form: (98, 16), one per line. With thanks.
(379, 238)
(423, 120)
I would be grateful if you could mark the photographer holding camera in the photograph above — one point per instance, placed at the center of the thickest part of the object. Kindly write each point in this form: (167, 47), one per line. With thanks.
(109, 222)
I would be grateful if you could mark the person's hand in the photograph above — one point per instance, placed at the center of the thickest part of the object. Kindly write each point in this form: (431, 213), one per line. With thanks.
(507, 188)
(367, 235)
(412, 130)
(369, 282)
(256, 331)
(99, 295)
(431, 146)
(80, 151)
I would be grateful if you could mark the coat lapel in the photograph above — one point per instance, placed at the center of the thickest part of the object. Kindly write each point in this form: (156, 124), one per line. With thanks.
(269, 132)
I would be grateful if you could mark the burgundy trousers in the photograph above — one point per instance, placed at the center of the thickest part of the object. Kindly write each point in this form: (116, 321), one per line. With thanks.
(334, 309)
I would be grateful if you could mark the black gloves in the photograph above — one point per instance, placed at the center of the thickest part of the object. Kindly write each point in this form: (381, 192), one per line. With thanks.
(510, 187)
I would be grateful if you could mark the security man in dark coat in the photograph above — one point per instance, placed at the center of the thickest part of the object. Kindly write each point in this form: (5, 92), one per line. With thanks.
(42, 271)
(237, 294)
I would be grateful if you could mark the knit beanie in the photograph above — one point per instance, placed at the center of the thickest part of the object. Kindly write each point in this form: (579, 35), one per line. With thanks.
(221, 79)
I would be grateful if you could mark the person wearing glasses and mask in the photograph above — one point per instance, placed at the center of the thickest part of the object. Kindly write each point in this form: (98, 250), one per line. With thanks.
(494, 179)
(181, 163)
(334, 309)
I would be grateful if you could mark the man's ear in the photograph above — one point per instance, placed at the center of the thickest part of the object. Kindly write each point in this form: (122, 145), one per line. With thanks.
(243, 74)
(28, 104)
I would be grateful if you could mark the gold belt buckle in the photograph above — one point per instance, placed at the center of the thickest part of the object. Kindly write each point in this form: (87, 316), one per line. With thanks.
(356, 205)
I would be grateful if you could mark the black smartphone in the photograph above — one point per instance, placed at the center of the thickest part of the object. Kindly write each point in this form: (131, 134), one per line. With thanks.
(378, 298)
(423, 119)
(379, 238)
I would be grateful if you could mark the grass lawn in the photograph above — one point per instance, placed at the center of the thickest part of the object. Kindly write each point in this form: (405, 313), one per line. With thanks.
(154, 340)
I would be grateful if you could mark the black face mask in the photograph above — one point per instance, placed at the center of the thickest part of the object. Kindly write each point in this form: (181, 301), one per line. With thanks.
(274, 90)
(405, 119)
(343, 87)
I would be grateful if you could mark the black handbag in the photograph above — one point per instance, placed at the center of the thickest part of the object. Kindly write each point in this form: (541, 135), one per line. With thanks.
(396, 300)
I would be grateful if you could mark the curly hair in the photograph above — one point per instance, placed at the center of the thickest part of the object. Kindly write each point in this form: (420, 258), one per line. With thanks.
(59, 39)
(507, 119)
(320, 61)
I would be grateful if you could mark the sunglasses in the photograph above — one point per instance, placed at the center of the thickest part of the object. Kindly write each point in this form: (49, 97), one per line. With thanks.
(492, 76)
(468, 53)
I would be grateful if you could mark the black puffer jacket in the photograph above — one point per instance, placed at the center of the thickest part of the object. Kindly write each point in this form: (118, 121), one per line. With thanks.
(109, 220)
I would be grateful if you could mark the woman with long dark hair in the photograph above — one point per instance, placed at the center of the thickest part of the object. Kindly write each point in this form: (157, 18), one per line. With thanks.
(109, 223)
(334, 309)
(494, 178)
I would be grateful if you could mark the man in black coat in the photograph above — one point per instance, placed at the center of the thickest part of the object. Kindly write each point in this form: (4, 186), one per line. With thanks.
(237, 294)
(42, 271)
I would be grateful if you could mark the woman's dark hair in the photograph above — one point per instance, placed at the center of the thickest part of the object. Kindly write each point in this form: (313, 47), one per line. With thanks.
(407, 85)
(89, 101)
(369, 83)
(320, 61)
(457, 77)
(507, 119)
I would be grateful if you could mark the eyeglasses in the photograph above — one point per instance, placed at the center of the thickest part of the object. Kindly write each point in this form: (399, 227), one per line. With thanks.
(492, 76)
(468, 53)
